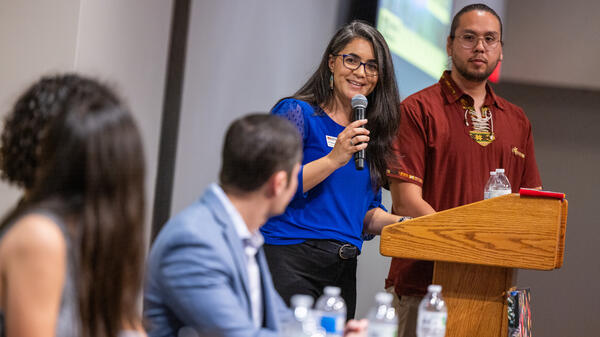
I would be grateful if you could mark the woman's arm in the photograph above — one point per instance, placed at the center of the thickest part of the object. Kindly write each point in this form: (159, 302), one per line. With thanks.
(34, 272)
(376, 218)
(352, 139)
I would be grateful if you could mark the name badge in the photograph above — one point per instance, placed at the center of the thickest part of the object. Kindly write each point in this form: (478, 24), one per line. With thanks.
(330, 140)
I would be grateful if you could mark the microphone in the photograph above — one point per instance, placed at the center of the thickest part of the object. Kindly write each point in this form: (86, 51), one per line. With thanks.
(359, 106)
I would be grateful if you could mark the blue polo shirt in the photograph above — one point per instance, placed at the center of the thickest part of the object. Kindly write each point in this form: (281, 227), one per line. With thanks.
(336, 207)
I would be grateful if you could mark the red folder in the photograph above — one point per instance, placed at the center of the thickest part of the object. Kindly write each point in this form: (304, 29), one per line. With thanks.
(539, 193)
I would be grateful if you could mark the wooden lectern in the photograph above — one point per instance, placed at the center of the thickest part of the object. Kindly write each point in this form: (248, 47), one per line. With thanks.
(475, 248)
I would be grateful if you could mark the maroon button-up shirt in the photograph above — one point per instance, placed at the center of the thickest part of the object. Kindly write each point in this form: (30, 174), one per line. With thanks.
(437, 150)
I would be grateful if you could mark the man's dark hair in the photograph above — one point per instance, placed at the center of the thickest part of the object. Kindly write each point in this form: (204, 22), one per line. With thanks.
(469, 8)
(255, 147)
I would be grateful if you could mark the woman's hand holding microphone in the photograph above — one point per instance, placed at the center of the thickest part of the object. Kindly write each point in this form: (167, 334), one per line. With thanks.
(354, 138)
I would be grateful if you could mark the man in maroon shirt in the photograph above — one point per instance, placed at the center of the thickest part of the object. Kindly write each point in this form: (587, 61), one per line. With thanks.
(451, 136)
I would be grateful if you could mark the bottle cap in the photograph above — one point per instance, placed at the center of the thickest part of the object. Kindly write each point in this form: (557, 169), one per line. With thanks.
(500, 170)
(434, 288)
(383, 297)
(300, 300)
(332, 291)
(492, 173)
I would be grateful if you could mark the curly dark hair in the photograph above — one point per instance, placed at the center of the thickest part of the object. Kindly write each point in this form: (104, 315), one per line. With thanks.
(89, 171)
(23, 127)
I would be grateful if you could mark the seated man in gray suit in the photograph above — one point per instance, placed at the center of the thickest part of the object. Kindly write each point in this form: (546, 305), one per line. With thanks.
(206, 269)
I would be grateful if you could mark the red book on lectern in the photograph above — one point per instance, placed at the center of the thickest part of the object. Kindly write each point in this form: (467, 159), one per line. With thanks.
(539, 193)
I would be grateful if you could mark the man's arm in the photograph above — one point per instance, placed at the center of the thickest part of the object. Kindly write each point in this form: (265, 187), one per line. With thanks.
(408, 160)
(199, 290)
(407, 199)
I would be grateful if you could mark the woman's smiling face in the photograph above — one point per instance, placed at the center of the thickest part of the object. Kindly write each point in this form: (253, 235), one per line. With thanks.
(347, 82)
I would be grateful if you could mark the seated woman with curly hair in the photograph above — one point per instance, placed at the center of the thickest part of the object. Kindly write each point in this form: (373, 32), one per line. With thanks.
(71, 251)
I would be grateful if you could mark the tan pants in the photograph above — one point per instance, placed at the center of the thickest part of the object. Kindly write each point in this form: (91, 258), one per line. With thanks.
(407, 310)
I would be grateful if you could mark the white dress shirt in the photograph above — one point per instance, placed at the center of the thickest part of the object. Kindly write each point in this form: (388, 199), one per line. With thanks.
(252, 243)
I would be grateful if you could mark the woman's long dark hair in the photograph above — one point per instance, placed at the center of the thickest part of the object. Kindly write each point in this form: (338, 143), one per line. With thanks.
(91, 174)
(384, 101)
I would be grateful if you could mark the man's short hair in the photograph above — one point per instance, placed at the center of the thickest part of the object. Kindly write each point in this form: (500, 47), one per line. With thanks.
(255, 147)
(473, 7)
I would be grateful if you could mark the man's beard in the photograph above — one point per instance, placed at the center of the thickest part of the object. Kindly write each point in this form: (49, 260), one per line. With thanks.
(474, 76)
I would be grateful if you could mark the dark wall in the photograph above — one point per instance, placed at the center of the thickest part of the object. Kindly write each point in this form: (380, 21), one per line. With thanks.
(365, 10)
(566, 126)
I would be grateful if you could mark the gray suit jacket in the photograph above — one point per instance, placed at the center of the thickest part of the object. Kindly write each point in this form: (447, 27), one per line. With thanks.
(197, 277)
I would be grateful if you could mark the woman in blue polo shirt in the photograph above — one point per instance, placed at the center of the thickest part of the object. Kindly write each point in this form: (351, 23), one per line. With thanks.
(315, 242)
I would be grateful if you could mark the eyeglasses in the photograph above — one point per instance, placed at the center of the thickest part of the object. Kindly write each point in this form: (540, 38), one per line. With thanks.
(469, 41)
(353, 62)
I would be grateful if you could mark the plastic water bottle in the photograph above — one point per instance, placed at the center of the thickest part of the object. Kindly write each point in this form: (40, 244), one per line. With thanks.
(301, 306)
(331, 311)
(487, 191)
(432, 314)
(502, 184)
(383, 321)
(304, 323)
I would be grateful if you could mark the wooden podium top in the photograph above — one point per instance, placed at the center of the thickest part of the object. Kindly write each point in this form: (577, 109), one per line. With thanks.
(510, 231)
